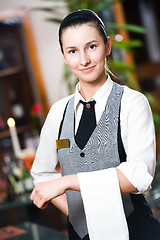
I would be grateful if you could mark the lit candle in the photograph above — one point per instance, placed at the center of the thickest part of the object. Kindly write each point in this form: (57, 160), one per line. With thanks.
(14, 137)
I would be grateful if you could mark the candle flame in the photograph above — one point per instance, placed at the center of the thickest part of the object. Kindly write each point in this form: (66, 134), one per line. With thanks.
(11, 122)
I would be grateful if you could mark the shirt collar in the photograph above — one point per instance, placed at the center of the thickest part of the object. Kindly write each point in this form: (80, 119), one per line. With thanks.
(103, 90)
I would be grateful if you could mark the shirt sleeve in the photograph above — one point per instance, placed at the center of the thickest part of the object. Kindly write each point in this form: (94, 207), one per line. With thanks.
(138, 139)
(46, 159)
(44, 165)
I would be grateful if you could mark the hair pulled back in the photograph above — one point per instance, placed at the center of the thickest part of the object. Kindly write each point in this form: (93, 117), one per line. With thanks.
(81, 17)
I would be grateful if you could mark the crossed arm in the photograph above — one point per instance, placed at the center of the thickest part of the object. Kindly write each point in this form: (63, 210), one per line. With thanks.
(53, 191)
(138, 169)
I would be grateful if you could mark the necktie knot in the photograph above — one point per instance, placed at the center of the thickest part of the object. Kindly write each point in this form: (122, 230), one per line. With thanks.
(89, 104)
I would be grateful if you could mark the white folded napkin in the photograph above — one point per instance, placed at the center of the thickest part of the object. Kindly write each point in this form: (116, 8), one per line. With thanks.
(103, 205)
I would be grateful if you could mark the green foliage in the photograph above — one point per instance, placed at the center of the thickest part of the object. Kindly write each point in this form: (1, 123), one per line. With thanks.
(95, 5)
(116, 66)
(127, 27)
(54, 20)
(127, 46)
(120, 66)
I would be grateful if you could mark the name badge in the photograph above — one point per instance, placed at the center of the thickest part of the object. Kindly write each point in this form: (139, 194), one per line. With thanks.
(62, 143)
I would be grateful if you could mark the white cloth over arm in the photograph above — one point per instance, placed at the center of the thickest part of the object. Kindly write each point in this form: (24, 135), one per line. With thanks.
(103, 205)
(137, 131)
(98, 191)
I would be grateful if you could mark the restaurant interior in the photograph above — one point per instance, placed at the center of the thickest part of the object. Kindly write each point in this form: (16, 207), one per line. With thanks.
(33, 77)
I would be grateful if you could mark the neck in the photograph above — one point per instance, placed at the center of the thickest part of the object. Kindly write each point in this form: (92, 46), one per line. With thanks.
(87, 90)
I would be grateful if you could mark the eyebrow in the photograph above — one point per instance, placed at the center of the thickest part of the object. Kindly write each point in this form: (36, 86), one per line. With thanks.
(88, 43)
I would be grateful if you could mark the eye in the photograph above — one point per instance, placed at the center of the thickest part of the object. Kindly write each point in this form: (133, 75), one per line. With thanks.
(72, 51)
(92, 46)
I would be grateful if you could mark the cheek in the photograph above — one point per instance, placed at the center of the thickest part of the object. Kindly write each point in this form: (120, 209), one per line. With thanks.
(72, 62)
(99, 57)
(72, 66)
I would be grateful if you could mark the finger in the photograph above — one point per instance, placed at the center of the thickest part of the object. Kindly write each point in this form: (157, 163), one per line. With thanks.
(45, 205)
(39, 201)
(32, 194)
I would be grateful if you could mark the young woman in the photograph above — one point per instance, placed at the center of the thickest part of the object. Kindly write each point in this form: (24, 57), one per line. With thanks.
(105, 175)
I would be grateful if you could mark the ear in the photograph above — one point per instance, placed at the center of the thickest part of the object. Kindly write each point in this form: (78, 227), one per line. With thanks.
(63, 56)
(108, 46)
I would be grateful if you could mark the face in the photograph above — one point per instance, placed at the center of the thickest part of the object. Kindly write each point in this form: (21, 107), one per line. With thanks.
(85, 53)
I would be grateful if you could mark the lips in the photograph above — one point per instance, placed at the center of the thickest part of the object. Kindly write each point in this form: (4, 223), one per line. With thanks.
(88, 69)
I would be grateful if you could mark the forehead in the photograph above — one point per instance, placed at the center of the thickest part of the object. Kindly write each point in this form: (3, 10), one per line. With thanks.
(80, 34)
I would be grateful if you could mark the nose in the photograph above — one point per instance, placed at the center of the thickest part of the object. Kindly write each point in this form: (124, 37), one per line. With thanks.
(84, 59)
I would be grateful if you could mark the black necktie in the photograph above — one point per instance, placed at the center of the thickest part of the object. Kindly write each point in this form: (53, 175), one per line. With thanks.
(86, 125)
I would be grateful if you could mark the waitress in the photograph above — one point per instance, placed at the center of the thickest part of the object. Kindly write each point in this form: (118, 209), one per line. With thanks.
(103, 136)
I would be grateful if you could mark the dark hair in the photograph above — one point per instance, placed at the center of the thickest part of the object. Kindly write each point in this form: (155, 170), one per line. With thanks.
(80, 17)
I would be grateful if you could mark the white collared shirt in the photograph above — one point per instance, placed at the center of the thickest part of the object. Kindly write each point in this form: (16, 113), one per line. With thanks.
(137, 131)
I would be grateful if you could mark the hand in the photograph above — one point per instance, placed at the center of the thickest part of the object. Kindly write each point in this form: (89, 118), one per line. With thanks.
(44, 192)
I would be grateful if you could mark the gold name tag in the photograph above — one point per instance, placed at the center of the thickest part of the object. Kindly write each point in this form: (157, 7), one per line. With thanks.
(62, 143)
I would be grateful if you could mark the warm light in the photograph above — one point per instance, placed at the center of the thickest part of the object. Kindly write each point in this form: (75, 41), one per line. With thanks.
(119, 38)
(11, 122)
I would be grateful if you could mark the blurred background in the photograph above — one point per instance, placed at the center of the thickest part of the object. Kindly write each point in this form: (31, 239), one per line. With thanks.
(33, 76)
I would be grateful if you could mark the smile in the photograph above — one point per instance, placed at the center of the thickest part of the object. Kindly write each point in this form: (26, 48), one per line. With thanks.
(88, 69)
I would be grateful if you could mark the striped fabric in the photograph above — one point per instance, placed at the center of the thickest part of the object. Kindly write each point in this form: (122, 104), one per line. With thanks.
(100, 152)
